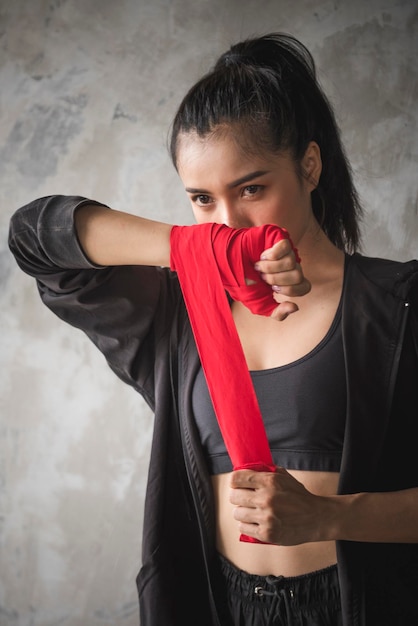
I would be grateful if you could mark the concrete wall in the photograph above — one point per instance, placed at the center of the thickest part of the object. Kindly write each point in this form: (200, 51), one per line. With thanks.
(87, 93)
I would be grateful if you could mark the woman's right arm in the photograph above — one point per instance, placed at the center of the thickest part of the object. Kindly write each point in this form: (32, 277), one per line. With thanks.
(93, 268)
(72, 232)
(116, 238)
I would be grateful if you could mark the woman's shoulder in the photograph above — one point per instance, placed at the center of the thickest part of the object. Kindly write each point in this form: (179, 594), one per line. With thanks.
(372, 263)
(398, 277)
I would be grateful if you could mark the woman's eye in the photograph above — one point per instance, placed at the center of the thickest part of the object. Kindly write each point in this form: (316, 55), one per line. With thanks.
(201, 199)
(251, 190)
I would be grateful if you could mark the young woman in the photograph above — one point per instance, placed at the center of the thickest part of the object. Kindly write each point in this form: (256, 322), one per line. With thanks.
(334, 366)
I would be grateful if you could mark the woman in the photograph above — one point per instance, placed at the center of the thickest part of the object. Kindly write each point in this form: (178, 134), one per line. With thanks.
(334, 366)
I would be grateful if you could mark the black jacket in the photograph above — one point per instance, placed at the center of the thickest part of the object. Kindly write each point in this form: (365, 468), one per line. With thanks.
(136, 317)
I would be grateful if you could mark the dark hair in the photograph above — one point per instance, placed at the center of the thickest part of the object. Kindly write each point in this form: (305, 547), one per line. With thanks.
(267, 86)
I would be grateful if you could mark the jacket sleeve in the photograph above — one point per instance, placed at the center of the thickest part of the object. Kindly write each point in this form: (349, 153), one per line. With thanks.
(124, 310)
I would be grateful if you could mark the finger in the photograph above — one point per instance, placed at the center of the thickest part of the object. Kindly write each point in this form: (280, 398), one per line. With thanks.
(245, 515)
(281, 273)
(290, 291)
(276, 266)
(283, 310)
(245, 479)
(243, 498)
(250, 530)
(280, 249)
(249, 524)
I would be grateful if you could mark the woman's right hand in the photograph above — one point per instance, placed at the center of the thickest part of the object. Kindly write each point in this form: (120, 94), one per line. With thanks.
(279, 267)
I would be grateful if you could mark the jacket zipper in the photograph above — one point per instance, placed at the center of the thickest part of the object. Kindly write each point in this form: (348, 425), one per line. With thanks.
(398, 351)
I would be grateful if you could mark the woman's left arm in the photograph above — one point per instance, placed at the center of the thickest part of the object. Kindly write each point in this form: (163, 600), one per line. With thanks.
(386, 517)
(277, 508)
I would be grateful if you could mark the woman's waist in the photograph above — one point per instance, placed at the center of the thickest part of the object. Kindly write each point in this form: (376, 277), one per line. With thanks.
(270, 559)
(288, 561)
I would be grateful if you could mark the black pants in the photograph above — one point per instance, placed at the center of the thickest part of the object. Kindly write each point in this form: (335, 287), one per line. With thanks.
(249, 600)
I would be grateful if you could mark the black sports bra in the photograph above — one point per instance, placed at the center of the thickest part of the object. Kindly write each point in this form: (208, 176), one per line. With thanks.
(303, 405)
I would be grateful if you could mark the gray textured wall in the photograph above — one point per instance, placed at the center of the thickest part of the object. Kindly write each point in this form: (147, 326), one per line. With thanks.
(87, 93)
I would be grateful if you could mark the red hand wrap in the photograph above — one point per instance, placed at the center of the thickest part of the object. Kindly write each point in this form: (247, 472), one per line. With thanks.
(236, 252)
(208, 259)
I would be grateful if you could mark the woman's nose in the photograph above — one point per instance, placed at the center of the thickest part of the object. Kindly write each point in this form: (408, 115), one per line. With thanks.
(230, 215)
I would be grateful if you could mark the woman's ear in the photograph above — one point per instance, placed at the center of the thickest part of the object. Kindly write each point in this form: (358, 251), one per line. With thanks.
(312, 165)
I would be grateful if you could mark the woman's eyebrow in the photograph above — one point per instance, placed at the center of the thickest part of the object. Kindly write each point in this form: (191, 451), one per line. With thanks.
(247, 178)
(235, 183)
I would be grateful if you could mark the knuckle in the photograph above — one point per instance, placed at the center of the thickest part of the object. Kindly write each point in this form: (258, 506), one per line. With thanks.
(269, 529)
(288, 263)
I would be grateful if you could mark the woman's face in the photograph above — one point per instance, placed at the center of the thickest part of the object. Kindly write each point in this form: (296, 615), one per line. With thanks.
(227, 186)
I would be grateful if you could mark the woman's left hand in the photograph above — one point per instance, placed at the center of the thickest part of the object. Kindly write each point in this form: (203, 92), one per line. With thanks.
(276, 508)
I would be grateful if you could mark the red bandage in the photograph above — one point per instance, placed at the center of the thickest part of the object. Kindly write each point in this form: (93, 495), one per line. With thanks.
(209, 259)
(236, 252)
